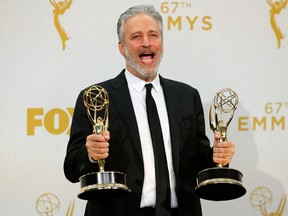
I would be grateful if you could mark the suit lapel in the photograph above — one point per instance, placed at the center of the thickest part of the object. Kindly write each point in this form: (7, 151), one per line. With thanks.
(173, 111)
(120, 97)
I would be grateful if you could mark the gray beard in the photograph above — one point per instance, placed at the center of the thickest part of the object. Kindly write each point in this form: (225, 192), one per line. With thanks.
(142, 71)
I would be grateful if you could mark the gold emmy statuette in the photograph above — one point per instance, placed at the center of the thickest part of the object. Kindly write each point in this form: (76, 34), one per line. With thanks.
(221, 183)
(102, 184)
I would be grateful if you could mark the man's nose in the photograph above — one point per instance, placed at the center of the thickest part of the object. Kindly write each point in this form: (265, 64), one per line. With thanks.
(146, 41)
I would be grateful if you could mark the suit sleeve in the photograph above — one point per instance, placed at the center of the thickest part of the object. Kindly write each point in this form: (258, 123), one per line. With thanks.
(76, 161)
(204, 151)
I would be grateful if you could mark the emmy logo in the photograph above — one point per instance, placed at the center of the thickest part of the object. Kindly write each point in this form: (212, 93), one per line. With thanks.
(47, 204)
(261, 197)
(60, 8)
(276, 9)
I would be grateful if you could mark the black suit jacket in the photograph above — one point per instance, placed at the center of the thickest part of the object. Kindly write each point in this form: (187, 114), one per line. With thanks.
(191, 150)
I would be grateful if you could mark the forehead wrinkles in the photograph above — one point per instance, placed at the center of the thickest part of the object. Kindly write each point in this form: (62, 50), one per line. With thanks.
(148, 32)
(141, 23)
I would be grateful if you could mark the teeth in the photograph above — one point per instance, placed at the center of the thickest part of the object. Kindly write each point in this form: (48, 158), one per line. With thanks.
(147, 58)
(147, 54)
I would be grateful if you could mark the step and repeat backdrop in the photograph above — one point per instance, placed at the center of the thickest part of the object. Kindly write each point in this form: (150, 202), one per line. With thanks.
(51, 49)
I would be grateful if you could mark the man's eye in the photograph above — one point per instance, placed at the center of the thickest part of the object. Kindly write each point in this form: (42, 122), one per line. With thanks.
(136, 37)
(154, 35)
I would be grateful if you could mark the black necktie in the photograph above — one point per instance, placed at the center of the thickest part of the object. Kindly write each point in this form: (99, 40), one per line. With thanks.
(163, 202)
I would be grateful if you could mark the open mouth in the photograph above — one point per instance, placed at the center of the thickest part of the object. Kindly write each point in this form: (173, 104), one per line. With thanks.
(147, 58)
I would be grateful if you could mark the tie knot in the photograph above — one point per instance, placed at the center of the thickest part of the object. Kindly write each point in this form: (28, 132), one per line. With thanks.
(148, 87)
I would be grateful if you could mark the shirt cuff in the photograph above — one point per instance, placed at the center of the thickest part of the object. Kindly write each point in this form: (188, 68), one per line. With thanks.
(92, 161)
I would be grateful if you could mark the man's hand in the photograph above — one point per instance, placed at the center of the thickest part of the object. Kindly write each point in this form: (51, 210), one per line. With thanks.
(98, 146)
(222, 151)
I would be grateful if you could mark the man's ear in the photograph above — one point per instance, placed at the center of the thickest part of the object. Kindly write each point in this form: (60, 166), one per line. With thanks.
(121, 48)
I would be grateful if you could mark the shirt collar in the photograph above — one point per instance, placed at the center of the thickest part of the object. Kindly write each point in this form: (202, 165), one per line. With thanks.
(139, 84)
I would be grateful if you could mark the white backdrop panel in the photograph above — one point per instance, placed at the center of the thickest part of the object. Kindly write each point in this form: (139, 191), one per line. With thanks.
(208, 44)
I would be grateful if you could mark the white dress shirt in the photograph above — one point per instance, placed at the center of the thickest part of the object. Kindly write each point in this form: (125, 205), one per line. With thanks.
(138, 95)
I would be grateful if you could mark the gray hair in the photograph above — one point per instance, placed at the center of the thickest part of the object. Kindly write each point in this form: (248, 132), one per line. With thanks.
(133, 11)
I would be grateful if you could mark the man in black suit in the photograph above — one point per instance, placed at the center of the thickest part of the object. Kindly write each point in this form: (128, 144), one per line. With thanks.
(128, 142)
